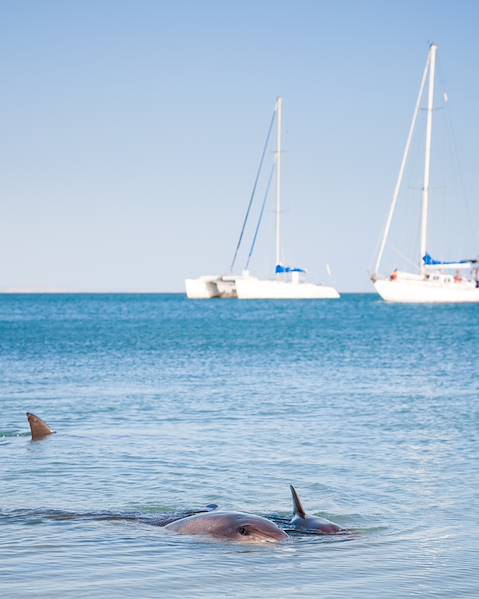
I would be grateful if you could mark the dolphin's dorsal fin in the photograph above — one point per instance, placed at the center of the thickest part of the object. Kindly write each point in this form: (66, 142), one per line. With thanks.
(298, 509)
(38, 427)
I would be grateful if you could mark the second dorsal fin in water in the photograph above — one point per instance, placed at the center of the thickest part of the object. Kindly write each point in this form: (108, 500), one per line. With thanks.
(38, 427)
(298, 509)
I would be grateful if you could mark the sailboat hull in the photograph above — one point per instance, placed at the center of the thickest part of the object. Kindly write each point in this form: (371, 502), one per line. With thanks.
(253, 288)
(421, 291)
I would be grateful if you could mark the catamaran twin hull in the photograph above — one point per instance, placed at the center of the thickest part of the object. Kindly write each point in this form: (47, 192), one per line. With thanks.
(427, 291)
(209, 287)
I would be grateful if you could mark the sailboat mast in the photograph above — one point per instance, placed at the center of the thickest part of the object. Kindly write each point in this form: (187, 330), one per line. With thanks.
(397, 188)
(427, 157)
(279, 123)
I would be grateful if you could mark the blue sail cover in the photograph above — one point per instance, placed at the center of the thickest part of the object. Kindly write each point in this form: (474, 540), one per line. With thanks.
(429, 261)
(281, 268)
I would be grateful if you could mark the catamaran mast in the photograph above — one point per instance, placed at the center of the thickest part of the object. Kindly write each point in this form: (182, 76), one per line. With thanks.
(279, 123)
(427, 157)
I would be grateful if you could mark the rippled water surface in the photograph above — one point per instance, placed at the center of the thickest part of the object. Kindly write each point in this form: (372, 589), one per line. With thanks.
(165, 405)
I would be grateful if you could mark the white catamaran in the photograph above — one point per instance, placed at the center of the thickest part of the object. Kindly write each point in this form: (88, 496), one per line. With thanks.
(436, 281)
(287, 283)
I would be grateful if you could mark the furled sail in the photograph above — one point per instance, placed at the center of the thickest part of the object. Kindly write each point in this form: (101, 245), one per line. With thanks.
(281, 268)
(444, 265)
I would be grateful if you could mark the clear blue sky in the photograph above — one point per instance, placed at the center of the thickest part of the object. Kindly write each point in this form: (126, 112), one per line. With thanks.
(131, 132)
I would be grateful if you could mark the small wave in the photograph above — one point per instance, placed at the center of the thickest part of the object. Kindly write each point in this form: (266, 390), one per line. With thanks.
(13, 434)
(36, 516)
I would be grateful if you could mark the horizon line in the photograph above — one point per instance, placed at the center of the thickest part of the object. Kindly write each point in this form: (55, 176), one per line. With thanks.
(20, 291)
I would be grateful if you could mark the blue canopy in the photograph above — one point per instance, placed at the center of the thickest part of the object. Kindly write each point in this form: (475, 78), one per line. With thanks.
(280, 268)
(429, 261)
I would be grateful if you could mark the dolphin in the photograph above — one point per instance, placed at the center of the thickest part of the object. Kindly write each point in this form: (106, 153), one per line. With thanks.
(312, 524)
(38, 427)
(232, 526)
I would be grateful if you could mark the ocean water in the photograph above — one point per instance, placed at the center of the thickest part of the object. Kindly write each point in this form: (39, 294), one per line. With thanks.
(165, 405)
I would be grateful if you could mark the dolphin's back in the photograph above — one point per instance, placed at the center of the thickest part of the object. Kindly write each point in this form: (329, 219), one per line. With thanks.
(313, 524)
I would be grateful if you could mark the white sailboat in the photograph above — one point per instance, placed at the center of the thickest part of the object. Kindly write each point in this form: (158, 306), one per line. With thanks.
(288, 283)
(436, 281)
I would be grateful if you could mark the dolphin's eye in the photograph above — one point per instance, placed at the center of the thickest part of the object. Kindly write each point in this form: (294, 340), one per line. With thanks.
(242, 530)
